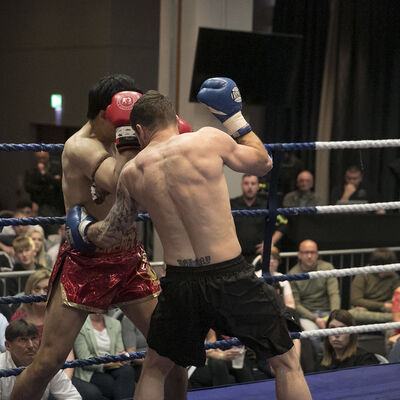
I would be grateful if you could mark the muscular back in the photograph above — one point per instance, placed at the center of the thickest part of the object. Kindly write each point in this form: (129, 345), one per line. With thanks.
(180, 182)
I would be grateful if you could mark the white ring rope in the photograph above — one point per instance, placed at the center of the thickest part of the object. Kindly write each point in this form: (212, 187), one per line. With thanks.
(357, 144)
(349, 329)
(354, 271)
(349, 208)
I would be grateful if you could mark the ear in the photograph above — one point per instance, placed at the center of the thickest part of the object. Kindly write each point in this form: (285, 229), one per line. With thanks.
(102, 114)
(7, 344)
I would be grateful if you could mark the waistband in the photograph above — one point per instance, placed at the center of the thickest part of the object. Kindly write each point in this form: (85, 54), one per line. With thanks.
(235, 264)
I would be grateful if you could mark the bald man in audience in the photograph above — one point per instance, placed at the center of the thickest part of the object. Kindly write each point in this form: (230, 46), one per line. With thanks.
(304, 195)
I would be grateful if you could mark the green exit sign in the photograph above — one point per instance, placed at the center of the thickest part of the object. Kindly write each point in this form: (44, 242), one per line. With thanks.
(56, 100)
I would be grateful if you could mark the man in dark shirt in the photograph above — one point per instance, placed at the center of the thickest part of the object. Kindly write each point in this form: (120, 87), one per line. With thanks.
(353, 190)
(250, 230)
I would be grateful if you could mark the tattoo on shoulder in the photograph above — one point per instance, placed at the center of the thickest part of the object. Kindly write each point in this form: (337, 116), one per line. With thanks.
(189, 262)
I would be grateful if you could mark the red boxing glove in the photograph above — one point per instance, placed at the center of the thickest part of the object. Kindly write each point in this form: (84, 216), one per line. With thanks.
(118, 113)
(183, 126)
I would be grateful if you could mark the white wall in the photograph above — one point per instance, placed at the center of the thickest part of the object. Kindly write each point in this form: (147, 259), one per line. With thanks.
(220, 14)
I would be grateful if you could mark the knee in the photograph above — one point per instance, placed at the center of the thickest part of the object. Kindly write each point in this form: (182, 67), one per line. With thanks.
(126, 372)
(288, 361)
(155, 362)
(178, 375)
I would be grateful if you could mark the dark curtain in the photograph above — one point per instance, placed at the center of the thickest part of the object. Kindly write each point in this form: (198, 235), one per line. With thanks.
(367, 96)
(308, 18)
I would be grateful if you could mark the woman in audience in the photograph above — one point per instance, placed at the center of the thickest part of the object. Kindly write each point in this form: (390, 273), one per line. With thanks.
(100, 336)
(36, 284)
(342, 351)
(36, 233)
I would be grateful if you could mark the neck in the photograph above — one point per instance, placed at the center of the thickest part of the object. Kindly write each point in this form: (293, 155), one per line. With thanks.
(249, 202)
(339, 353)
(97, 317)
(37, 311)
(96, 131)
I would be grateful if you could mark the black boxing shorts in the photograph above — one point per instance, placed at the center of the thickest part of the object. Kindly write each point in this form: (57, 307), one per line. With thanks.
(227, 297)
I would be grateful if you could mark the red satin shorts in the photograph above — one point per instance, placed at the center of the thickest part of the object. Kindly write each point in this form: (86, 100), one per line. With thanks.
(110, 278)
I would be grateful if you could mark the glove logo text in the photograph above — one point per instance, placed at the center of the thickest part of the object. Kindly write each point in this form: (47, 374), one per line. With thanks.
(235, 94)
(125, 103)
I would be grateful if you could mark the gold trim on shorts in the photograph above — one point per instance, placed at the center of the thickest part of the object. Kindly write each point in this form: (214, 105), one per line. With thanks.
(142, 300)
(99, 310)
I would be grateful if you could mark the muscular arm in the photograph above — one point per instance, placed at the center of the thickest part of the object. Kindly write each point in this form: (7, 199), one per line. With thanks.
(109, 170)
(121, 217)
(247, 156)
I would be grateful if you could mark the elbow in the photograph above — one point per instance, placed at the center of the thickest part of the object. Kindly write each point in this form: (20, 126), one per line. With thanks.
(265, 166)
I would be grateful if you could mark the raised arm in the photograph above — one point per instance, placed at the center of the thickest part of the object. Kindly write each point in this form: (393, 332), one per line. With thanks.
(247, 154)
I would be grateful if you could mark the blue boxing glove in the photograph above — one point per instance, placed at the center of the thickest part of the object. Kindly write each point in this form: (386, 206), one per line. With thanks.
(76, 226)
(222, 97)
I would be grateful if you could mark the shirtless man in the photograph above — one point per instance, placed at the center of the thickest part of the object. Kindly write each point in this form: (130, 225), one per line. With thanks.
(108, 276)
(207, 284)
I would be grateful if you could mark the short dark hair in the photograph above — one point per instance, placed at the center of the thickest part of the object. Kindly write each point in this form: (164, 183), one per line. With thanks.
(101, 93)
(382, 256)
(353, 169)
(246, 175)
(153, 110)
(21, 328)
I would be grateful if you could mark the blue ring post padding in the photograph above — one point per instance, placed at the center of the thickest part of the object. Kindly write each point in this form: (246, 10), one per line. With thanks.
(272, 205)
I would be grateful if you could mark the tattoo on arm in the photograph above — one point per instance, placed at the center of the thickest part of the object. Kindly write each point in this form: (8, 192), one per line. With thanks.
(121, 217)
(189, 262)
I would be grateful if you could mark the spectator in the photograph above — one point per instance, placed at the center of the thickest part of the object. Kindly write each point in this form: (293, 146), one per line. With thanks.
(342, 351)
(43, 184)
(371, 294)
(353, 190)
(285, 291)
(218, 369)
(99, 336)
(52, 252)
(28, 207)
(7, 235)
(22, 343)
(3, 326)
(304, 196)
(34, 313)
(36, 233)
(314, 298)
(37, 284)
(25, 255)
(250, 230)
(20, 230)
(283, 287)
(13, 233)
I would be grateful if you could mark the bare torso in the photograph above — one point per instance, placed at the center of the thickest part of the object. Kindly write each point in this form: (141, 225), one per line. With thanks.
(180, 182)
(83, 154)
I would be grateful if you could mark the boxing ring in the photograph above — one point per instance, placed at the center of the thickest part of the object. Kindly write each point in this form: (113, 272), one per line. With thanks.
(371, 382)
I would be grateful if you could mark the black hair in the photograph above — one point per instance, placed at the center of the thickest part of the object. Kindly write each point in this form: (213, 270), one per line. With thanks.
(101, 93)
(21, 328)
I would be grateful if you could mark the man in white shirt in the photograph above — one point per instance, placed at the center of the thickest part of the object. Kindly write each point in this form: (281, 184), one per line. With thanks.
(22, 343)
